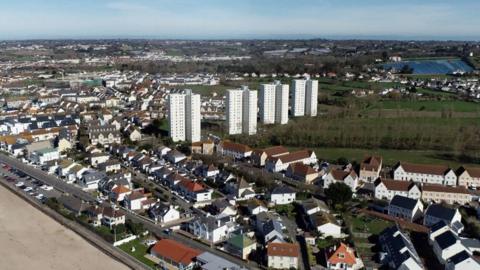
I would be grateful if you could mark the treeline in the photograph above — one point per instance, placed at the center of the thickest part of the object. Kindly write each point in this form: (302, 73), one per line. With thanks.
(455, 135)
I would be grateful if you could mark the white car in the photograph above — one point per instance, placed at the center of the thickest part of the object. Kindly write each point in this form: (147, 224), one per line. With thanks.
(39, 196)
(46, 187)
(19, 184)
(28, 189)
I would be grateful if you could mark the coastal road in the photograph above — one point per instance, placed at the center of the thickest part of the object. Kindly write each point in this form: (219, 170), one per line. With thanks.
(78, 192)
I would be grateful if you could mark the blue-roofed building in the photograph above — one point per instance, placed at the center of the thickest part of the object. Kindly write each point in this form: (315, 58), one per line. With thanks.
(398, 251)
(462, 261)
(437, 212)
(405, 208)
(446, 245)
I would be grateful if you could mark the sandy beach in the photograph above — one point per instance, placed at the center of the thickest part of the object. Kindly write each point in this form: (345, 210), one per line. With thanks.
(31, 240)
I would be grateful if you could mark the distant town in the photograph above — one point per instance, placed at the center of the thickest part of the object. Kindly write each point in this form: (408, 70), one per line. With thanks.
(250, 154)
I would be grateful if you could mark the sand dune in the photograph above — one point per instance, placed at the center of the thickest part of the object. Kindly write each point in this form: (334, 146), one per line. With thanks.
(31, 240)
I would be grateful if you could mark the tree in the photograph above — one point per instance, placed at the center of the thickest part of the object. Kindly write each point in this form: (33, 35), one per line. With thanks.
(338, 193)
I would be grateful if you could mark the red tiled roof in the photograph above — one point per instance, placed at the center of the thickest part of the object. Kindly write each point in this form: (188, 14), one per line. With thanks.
(444, 189)
(395, 185)
(283, 249)
(174, 251)
(424, 169)
(192, 186)
(275, 151)
(473, 172)
(120, 189)
(235, 147)
(294, 156)
(371, 163)
(343, 254)
(301, 169)
(340, 175)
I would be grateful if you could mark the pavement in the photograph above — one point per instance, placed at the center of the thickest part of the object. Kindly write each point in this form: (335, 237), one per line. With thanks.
(64, 187)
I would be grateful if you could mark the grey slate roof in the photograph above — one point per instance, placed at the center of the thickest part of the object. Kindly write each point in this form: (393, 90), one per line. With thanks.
(446, 239)
(403, 202)
(441, 212)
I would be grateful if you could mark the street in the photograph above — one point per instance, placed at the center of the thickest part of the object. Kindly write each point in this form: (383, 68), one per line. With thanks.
(157, 230)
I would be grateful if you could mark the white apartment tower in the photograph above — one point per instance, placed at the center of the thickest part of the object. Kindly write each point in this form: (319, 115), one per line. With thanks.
(274, 103)
(298, 98)
(184, 117)
(304, 97)
(311, 97)
(241, 111)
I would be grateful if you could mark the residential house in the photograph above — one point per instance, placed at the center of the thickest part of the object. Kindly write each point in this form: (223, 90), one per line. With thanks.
(242, 190)
(281, 163)
(119, 192)
(203, 147)
(462, 261)
(431, 174)
(325, 224)
(269, 227)
(451, 195)
(111, 166)
(209, 261)
(283, 255)
(175, 156)
(194, 191)
(349, 178)
(259, 157)
(209, 228)
(282, 195)
(405, 208)
(104, 135)
(437, 212)
(468, 177)
(370, 168)
(241, 245)
(221, 208)
(162, 213)
(302, 172)
(342, 258)
(73, 204)
(174, 255)
(90, 179)
(97, 158)
(387, 189)
(138, 200)
(446, 244)
(398, 251)
(256, 207)
(43, 156)
(112, 217)
(234, 150)
(313, 205)
(209, 171)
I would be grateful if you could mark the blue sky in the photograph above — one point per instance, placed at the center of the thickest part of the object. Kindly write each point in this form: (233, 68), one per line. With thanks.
(436, 19)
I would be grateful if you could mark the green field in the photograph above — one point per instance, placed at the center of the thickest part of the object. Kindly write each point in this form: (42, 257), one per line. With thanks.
(430, 105)
(139, 253)
(390, 157)
(366, 224)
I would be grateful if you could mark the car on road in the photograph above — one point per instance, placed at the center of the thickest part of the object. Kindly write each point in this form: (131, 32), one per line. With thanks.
(46, 187)
(39, 196)
(28, 189)
(19, 184)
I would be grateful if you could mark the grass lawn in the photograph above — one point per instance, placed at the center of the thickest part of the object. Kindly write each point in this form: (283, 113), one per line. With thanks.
(366, 224)
(139, 253)
(453, 105)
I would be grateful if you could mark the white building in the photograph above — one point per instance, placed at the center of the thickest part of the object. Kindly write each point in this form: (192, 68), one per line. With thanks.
(184, 117)
(298, 98)
(311, 97)
(386, 189)
(304, 97)
(241, 111)
(282, 195)
(405, 208)
(274, 103)
(283, 255)
(431, 174)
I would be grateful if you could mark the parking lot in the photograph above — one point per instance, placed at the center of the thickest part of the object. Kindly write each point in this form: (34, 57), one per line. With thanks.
(32, 187)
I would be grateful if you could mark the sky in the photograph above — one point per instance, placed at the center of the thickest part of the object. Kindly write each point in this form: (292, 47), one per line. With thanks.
(212, 19)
